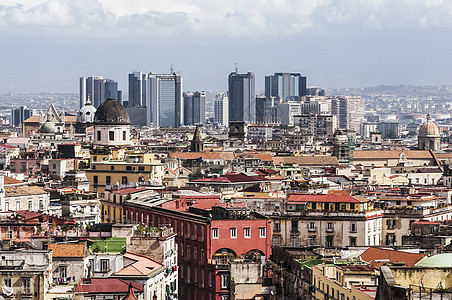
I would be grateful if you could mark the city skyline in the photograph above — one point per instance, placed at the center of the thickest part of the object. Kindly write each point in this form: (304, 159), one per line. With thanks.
(49, 44)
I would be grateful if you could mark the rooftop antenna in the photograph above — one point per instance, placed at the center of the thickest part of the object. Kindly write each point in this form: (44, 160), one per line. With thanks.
(172, 68)
(236, 67)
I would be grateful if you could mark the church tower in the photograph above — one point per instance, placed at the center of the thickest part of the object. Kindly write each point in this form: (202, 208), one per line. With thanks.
(197, 145)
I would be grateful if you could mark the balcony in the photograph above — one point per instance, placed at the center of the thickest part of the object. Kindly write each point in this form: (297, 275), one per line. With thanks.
(330, 230)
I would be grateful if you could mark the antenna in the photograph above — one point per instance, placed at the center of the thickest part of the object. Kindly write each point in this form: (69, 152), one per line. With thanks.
(236, 67)
(172, 68)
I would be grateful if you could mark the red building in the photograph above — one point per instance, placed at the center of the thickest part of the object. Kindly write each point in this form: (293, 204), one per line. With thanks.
(207, 239)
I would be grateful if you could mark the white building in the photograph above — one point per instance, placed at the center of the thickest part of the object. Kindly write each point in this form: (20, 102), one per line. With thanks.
(221, 109)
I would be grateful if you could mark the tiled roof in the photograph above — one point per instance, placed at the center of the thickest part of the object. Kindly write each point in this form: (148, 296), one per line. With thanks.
(36, 119)
(9, 180)
(67, 250)
(106, 285)
(11, 191)
(318, 160)
(129, 190)
(231, 178)
(378, 257)
(391, 154)
(204, 155)
(141, 266)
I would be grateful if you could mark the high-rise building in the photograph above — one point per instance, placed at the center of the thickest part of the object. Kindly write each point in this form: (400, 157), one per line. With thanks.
(285, 85)
(138, 89)
(19, 115)
(221, 109)
(349, 111)
(165, 107)
(98, 89)
(194, 108)
(242, 97)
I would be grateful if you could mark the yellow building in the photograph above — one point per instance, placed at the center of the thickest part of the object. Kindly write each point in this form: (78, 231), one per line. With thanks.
(111, 204)
(344, 281)
(129, 170)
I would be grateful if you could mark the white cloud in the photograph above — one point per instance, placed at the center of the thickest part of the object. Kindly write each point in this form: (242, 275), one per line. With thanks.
(237, 18)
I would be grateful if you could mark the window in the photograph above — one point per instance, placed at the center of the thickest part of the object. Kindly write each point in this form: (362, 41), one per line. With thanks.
(17, 205)
(8, 282)
(111, 135)
(215, 233)
(294, 225)
(352, 241)
(108, 180)
(63, 271)
(23, 167)
(112, 168)
(95, 180)
(210, 278)
(233, 233)
(30, 205)
(352, 205)
(277, 225)
(224, 281)
(247, 233)
(311, 225)
(124, 180)
(7, 206)
(329, 242)
(104, 265)
(99, 135)
(329, 225)
(262, 232)
(9, 234)
(353, 227)
(124, 135)
(140, 168)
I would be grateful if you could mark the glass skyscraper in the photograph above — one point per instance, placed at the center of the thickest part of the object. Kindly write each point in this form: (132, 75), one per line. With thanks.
(242, 97)
(98, 90)
(285, 85)
(194, 107)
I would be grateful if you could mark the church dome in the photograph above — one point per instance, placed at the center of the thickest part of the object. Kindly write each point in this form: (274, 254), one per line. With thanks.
(86, 114)
(429, 129)
(48, 127)
(111, 112)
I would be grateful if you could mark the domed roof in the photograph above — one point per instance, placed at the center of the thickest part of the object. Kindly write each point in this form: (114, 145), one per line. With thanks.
(428, 129)
(438, 260)
(48, 127)
(111, 112)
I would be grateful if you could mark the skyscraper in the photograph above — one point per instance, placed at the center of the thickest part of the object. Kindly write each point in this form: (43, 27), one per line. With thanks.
(349, 111)
(242, 97)
(285, 85)
(221, 109)
(19, 115)
(98, 90)
(165, 107)
(194, 108)
(138, 89)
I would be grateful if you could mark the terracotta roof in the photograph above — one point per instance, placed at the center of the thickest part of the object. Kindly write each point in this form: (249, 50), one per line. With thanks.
(141, 266)
(203, 155)
(36, 119)
(378, 257)
(392, 154)
(106, 286)
(11, 191)
(318, 160)
(231, 178)
(9, 180)
(67, 250)
(129, 190)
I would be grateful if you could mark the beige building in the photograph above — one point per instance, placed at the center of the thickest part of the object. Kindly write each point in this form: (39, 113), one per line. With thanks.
(393, 158)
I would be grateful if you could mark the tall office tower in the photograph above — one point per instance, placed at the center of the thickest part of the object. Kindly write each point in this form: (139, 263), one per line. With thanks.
(98, 89)
(165, 107)
(266, 109)
(221, 109)
(242, 97)
(19, 115)
(349, 111)
(194, 108)
(285, 85)
(138, 89)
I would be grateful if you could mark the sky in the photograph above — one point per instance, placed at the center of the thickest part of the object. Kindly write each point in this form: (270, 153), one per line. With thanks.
(46, 45)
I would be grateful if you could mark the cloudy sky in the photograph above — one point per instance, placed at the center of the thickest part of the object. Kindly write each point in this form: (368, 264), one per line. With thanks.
(46, 45)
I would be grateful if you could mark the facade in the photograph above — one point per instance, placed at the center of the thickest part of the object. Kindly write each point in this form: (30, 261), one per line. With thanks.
(139, 92)
(166, 106)
(206, 243)
(194, 108)
(390, 130)
(285, 85)
(349, 111)
(221, 109)
(242, 97)
(98, 89)
(318, 126)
